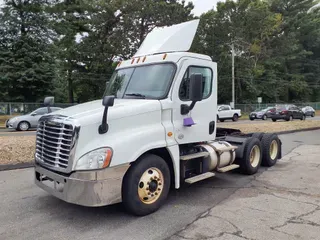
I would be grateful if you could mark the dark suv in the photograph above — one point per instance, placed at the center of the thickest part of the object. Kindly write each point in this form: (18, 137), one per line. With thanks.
(288, 113)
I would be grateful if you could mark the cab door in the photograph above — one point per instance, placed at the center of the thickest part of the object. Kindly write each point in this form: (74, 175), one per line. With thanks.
(204, 112)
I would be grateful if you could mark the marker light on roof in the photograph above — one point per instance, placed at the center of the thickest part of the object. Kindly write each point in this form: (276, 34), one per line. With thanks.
(164, 56)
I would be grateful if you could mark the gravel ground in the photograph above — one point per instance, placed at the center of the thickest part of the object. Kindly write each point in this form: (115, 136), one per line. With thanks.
(20, 149)
(16, 149)
(273, 126)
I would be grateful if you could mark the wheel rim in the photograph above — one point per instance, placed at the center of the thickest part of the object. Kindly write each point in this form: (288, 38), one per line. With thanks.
(150, 185)
(255, 156)
(273, 149)
(290, 118)
(264, 117)
(24, 126)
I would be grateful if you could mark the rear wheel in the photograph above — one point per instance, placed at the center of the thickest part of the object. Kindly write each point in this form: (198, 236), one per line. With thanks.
(251, 118)
(258, 135)
(274, 120)
(235, 117)
(252, 156)
(146, 185)
(264, 117)
(303, 117)
(312, 114)
(270, 149)
(221, 120)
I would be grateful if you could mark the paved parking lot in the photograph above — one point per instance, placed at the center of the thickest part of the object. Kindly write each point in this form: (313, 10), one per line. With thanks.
(28, 212)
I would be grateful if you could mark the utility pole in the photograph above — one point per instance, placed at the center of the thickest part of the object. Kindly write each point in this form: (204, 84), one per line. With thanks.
(233, 94)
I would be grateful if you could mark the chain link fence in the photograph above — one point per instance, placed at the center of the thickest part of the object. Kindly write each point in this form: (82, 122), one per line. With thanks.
(14, 108)
(247, 108)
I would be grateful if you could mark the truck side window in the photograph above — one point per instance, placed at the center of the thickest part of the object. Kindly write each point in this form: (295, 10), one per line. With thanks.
(207, 82)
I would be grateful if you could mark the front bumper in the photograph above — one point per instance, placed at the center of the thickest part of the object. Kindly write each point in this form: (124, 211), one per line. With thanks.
(86, 188)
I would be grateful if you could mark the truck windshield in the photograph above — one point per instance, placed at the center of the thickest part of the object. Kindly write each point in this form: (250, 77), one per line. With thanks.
(147, 82)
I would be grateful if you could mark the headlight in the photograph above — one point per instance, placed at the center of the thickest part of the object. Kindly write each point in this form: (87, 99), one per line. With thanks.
(96, 159)
(12, 120)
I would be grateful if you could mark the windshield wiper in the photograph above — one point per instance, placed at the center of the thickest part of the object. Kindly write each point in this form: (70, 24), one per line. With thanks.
(136, 95)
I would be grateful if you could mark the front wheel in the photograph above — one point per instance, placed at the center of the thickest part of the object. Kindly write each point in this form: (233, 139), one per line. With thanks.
(23, 126)
(235, 117)
(146, 185)
(264, 117)
(313, 114)
(274, 120)
(303, 117)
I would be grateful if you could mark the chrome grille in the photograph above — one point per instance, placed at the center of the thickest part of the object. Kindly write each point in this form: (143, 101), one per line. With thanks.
(54, 143)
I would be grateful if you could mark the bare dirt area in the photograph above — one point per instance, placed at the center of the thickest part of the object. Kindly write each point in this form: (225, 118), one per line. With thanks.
(16, 149)
(273, 126)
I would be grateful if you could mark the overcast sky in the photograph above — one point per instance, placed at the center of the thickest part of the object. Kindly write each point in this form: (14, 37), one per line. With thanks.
(201, 6)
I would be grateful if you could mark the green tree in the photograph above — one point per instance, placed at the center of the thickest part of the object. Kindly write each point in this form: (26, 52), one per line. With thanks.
(26, 63)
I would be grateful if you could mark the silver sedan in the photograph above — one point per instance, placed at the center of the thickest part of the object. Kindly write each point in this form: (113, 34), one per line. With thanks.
(30, 120)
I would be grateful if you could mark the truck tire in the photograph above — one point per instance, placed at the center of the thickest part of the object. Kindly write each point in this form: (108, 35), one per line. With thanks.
(252, 156)
(146, 185)
(258, 135)
(221, 120)
(235, 117)
(270, 149)
(274, 120)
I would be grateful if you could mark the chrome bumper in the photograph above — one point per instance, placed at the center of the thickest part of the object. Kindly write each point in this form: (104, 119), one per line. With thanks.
(87, 188)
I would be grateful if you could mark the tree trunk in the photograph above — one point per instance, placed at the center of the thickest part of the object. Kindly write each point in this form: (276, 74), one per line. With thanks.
(70, 86)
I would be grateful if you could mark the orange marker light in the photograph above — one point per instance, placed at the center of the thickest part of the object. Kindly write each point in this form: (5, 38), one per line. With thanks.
(119, 64)
(170, 134)
(145, 57)
(108, 159)
(132, 61)
(138, 60)
(164, 56)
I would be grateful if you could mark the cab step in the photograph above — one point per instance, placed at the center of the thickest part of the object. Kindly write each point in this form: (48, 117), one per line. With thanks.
(199, 177)
(194, 155)
(228, 168)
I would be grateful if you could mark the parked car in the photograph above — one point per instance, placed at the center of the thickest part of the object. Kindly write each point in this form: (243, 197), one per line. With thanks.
(309, 111)
(226, 112)
(288, 113)
(263, 113)
(30, 120)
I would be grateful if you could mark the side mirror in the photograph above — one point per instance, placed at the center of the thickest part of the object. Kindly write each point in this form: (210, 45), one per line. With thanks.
(48, 102)
(196, 87)
(195, 92)
(107, 102)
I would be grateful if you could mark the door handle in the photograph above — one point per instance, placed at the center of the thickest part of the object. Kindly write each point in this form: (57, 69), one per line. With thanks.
(212, 125)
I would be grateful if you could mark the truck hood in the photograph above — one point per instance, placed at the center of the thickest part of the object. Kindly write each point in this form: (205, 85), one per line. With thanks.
(92, 112)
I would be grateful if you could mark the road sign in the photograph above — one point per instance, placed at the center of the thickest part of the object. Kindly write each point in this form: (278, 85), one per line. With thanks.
(259, 99)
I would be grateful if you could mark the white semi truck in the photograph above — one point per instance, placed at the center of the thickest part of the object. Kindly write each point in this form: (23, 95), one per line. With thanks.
(156, 128)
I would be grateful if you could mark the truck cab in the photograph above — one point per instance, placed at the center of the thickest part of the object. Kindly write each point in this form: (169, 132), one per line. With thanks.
(155, 128)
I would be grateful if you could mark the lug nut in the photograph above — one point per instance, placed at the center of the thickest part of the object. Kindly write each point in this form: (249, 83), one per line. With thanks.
(159, 189)
(156, 193)
(147, 189)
